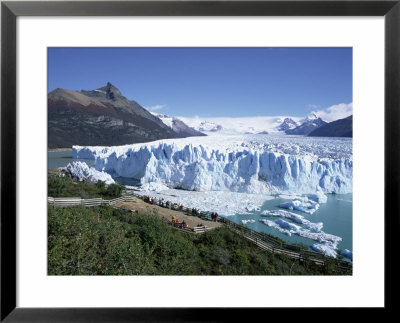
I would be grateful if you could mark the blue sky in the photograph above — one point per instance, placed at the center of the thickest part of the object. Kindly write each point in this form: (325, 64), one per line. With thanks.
(211, 82)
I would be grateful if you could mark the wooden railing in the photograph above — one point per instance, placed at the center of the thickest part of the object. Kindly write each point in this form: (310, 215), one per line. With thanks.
(77, 201)
(274, 246)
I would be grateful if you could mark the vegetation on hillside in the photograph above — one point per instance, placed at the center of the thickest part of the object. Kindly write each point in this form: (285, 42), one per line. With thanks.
(108, 241)
(64, 186)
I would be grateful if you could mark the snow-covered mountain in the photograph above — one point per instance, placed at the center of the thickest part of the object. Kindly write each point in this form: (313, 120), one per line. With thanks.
(245, 163)
(307, 125)
(288, 124)
(239, 125)
(209, 126)
(178, 126)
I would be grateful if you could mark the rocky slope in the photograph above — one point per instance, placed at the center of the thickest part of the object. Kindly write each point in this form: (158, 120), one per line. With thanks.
(338, 128)
(100, 117)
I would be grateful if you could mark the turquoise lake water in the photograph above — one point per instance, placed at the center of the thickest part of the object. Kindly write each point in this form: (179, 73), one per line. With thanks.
(336, 214)
(57, 159)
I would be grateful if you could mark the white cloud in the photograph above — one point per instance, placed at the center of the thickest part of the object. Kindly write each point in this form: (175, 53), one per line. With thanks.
(335, 112)
(156, 107)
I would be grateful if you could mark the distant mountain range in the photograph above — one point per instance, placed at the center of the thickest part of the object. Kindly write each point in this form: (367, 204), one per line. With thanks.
(307, 125)
(104, 117)
(178, 126)
(338, 128)
(261, 125)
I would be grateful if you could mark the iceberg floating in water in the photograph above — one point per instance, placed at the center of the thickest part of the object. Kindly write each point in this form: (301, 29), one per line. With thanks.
(313, 226)
(327, 250)
(275, 225)
(327, 243)
(83, 171)
(318, 197)
(348, 254)
(302, 204)
(248, 221)
(287, 225)
(250, 164)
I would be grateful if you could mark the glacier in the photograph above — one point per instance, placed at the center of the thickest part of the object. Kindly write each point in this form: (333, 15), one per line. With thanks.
(82, 171)
(247, 163)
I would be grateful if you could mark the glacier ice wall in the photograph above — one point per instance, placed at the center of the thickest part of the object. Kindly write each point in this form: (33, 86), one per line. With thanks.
(214, 166)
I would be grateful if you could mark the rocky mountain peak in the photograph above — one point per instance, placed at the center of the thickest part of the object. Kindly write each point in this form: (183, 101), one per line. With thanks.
(111, 91)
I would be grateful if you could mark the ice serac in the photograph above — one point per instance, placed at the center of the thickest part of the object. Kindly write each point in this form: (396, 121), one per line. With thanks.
(250, 164)
(83, 171)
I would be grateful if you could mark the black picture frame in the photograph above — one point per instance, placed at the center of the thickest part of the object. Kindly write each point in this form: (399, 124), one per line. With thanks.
(10, 10)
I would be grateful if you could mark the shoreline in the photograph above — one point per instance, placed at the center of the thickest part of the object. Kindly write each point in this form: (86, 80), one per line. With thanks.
(58, 149)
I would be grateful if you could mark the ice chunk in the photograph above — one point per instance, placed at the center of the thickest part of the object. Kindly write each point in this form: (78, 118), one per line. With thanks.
(273, 224)
(327, 250)
(224, 203)
(301, 204)
(287, 225)
(327, 243)
(316, 227)
(248, 221)
(348, 254)
(82, 171)
(318, 197)
(153, 186)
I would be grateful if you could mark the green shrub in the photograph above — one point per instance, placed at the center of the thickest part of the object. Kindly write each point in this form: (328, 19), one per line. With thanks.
(114, 190)
(59, 186)
(101, 186)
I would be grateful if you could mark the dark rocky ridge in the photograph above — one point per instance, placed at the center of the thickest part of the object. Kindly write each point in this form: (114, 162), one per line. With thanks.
(100, 117)
(338, 128)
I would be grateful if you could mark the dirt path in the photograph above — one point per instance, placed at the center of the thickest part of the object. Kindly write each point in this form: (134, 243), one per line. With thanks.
(192, 221)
